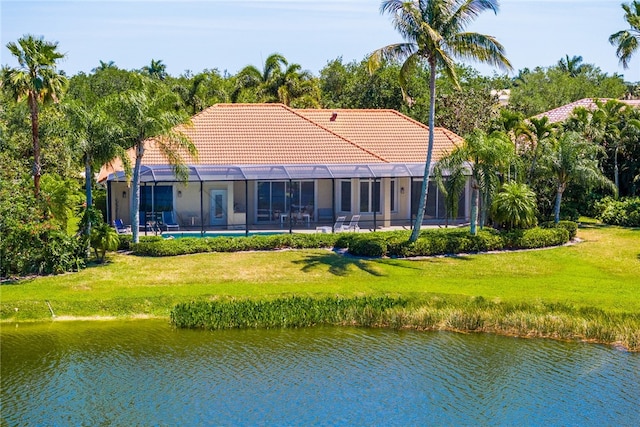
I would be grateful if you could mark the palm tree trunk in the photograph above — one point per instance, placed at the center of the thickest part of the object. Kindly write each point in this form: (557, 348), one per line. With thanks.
(557, 206)
(475, 195)
(427, 166)
(135, 193)
(87, 182)
(615, 172)
(37, 168)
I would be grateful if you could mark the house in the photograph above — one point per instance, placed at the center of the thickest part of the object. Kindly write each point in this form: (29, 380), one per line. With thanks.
(262, 166)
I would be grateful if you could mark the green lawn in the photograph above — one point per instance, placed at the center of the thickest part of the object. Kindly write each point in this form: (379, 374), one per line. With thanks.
(602, 271)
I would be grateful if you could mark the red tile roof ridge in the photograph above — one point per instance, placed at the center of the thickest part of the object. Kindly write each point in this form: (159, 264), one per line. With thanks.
(452, 136)
(292, 110)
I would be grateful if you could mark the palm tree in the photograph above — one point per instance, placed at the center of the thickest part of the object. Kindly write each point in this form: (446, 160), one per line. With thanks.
(95, 137)
(537, 132)
(156, 69)
(38, 81)
(434, 31)
(573, 158)
(572, 66)
(148, 115)
(627, 40)
(487, 157)
(251, 77)
(104, 66)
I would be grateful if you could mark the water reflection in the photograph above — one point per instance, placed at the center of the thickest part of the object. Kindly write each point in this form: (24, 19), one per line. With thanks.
(145, 373)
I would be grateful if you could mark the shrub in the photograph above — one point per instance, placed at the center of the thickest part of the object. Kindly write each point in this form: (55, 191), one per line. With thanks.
(536, 238)
(570, 226)
(624, 212)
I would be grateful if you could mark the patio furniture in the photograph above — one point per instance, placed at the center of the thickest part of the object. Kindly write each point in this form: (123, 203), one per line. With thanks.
(168, 221)
(120, 227)
(353, 224)
(337, 227)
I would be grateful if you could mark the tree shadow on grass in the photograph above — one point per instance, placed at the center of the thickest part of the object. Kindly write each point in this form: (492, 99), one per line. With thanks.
(339, 264)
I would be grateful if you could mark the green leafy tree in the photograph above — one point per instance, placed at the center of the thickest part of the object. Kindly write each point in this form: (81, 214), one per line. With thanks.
(37, 81)
(514, 206)
(626, 41)
(434, 32)
(543, 89)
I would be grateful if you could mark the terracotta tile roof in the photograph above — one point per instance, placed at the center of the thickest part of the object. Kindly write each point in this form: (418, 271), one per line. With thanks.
(249, 134)
(562, 113)
(388, 133)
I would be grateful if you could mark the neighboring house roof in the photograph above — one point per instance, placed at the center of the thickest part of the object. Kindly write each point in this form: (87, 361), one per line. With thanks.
(562, 113)
(274, 134)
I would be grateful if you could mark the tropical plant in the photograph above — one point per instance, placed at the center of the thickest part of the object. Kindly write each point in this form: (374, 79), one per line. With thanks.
(434, 31)
(147, 117)
(514, 206)
(38, 81)
(103, 238)
(626, 41)
(572, 158)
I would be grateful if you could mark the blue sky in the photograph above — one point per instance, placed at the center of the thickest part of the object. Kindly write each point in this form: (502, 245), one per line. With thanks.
(229, 34)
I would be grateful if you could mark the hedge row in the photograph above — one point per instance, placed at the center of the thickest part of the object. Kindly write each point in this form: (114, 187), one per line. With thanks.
(191, 245)
(379, 244)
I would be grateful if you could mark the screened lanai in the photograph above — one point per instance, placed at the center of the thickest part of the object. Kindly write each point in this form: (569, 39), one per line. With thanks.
(254, 197)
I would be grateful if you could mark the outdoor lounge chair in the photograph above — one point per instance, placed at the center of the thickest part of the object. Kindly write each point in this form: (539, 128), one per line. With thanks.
(120, 227)
(168, 222)
(337, 227)
(353, 224)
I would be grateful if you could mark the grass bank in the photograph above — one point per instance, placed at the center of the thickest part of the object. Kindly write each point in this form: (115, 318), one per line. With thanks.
(520, 292)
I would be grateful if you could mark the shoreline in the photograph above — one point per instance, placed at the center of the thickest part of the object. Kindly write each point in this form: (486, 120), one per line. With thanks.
(489, 329)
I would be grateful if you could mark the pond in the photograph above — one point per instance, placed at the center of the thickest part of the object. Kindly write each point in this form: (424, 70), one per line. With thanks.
(147, 373)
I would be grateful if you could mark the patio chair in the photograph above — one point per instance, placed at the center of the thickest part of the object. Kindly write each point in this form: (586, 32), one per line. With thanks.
(353, 224)
(168, 221)
(337, 227)
(120, 227)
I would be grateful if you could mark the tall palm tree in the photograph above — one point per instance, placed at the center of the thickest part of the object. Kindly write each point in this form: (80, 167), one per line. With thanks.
(156, 69)
(537, 132)
(434, 31)
(573, 158)
(148, 115)
(95, 136)
(38, 81)
(627, 40)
